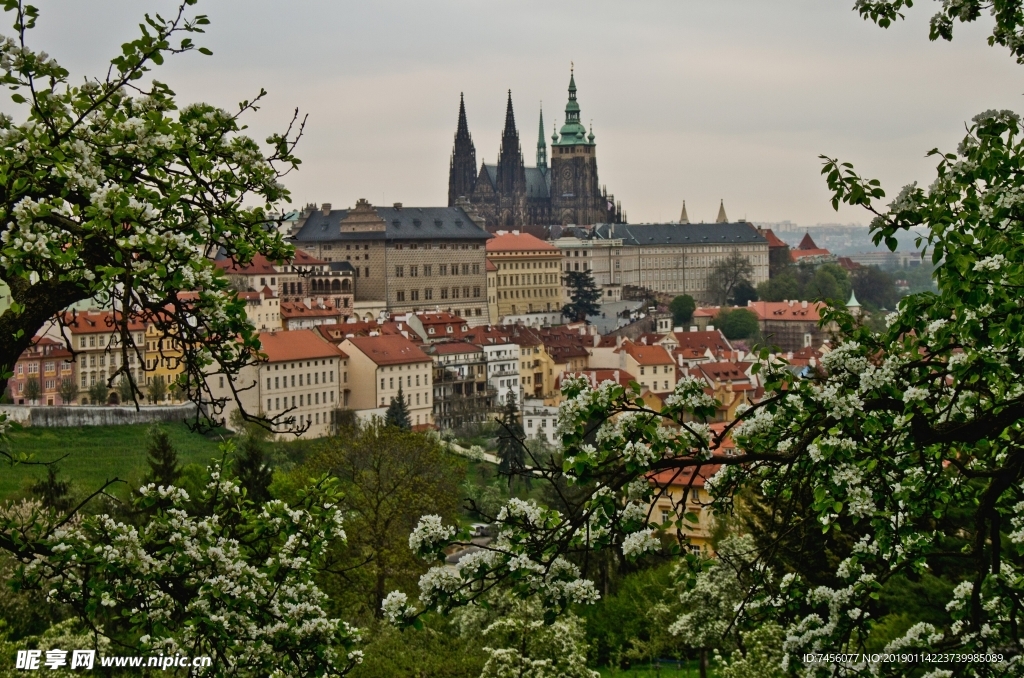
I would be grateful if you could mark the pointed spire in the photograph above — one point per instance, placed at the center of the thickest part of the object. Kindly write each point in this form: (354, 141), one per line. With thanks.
(573, 132)
(853, 303)
(510, 118)
(542, 146)
(463, 127)
(510, 173)
(462, 173)
(722, 219)
(683, 217)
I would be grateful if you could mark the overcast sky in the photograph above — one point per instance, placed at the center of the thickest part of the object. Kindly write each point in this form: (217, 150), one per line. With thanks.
(695, 101)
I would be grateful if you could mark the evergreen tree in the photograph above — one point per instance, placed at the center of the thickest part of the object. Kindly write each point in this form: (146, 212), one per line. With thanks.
(511, 451)
(584, 295)
(53, 492)
(163, 459)
(398, 412)
(682, 308)
(251, 469)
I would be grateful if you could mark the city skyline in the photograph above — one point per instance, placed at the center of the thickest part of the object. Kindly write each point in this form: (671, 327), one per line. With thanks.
(691, 102)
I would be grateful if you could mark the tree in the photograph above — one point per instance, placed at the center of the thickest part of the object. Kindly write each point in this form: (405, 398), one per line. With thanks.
(583, 294)
(743, 293)
(783, 287)
(156, 390)
(234, 571)
(67, 390)
(829, 283)
(897, 438)
(875, 288)
(398, 412)
(98, 392)
(32, 390)
(164, 469)
(726, 276)
(779, 261)
(110, 188)
(126, 390)
(737, 323)
(511, 450)
(389, 477)
(251, 468)
(682, 308)
(54, 492)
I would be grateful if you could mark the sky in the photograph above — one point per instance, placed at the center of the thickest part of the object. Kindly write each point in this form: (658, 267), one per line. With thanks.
(690, 100)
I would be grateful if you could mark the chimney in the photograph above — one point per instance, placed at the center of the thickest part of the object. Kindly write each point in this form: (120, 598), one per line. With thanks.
(693, 328)
(618, 341)
(325, 209)
(398, 205)
(803, 304)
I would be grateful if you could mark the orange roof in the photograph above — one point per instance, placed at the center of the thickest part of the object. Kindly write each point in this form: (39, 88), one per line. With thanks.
(807, 243)
(699, 342)
(455, 347)
(45, 347)
(707, 311)
(681, 477)
(97, 322)
(796, 255)
(297, 345)
(388, 349)
(786, 310)
(646, 355)
(260, 264)
(773, 240)
(725, 371)
(517, 241)
(490, 265)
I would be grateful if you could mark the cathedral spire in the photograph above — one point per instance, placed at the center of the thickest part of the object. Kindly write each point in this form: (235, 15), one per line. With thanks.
(722, 219)
(573, 132)
(462, 172)
(542, 146)
(511, 173)
(684, 218)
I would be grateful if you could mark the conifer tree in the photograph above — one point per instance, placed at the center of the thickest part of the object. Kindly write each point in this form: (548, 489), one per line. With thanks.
(164, 469)
(398, 413)
(584, 296)
(251, 469)
(511, 451)
(53, 492)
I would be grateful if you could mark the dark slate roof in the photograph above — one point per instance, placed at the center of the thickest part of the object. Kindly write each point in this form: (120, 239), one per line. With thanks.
(680, 234)
(538, 183)
(406, 223)
(341, 266)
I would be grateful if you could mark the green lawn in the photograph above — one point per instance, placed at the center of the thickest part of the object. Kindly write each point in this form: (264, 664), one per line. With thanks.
(666, 671)
(96, 453)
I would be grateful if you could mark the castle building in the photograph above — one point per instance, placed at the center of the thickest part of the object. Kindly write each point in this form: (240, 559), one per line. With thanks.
(510, 195)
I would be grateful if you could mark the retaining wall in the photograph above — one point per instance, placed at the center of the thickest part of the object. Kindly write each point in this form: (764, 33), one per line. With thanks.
(55, 416)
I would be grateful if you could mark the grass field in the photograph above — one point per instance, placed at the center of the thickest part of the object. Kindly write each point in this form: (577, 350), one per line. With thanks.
(666, 671)
(96, 454)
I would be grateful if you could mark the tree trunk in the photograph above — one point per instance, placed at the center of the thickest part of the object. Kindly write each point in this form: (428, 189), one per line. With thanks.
(703, 662)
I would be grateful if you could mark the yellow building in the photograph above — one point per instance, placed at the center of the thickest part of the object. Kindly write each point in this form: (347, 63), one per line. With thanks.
(163, 357)
(528, 278)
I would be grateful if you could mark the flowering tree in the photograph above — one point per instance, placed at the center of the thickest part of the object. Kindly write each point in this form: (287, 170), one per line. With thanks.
(110, 191)
(898, 436)
(212, 575)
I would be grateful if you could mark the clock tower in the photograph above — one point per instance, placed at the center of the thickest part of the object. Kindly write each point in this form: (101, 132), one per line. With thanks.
(575, 193)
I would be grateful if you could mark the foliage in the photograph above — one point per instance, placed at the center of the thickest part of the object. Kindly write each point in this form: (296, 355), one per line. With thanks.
(251, 468)
(511, 449)
(32, 390)
(398, 412)
(390, 477)
(737, 323)
(682, 308)
(164, 469)
(98, 393)
(70, 633)
(156, 389)
(727, 276)
(438, 650)
(804, 282)
(741, 294)
(109, 190)
(779, 259)
(762, 656)
(584, 296)
(126, 390)
(229, 580)
(521, 643)
(53, 492)
(875, 288)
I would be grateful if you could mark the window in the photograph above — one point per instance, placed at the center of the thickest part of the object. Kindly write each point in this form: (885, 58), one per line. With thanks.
(399, 271)
(427, 269)
(455, 293)
(400, 295)
(444, 292)
(414, 271)
(476, 268)
(465, 292)
(442, 269)
(476, 291)
(382, 382)
(641, 370)
(428, 293)
(414, 295)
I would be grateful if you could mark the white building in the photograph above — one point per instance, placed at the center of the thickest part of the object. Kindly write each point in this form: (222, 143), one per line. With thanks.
(540, 421)
(503, 371)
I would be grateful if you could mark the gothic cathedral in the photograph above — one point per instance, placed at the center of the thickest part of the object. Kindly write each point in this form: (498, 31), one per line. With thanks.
(511, 195)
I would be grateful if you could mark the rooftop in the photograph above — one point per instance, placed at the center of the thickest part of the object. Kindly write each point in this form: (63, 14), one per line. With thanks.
(297, 345)
(517, 241)
(680, 234)
(646, 355)
(401, 223)
(388, 349)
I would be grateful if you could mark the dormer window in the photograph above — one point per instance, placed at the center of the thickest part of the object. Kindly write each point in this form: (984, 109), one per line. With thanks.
(430, 330)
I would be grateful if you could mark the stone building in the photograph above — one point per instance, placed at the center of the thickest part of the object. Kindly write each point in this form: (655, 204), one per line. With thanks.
(672, 259)
(95, 339)
(528, 278)
(301, 278)
(510, 195)
(47, 361)
(404, 259)
(383, 365)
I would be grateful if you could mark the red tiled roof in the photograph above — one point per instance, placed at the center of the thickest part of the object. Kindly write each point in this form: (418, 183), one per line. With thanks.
(456, 347)
(702, 341)
(97, 322)
(786, 310)
(796, 255)
(389, 349)
(807, 243)
(297, 309)
(647, 355)
(490, 265)
(262, 265)
(773, 240)
(517, 241)
(725, 371)
(297, 345)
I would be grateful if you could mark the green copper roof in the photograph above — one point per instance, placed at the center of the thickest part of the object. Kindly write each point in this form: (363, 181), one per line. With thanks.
(573, 132)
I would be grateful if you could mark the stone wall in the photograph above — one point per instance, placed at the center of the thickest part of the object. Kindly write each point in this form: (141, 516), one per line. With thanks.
(109, 415)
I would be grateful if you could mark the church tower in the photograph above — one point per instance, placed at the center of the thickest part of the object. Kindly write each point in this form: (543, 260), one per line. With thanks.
(575, 194)
(542, 145)
(462, 172)
(510, 174)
